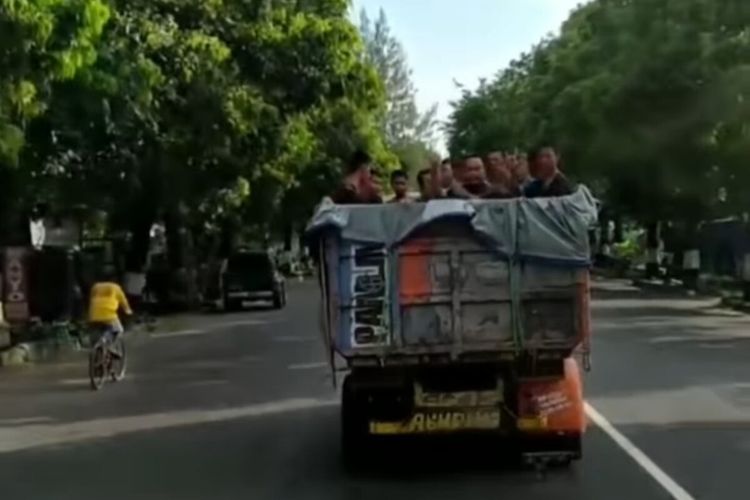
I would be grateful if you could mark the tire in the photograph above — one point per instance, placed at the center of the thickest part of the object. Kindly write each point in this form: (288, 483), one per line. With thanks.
(98, 366)
(354, 432)
(279, 299)
(576, 446)
(118, 366)
(232, 305)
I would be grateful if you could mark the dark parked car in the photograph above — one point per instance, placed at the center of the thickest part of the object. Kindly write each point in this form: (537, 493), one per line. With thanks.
(250, 277)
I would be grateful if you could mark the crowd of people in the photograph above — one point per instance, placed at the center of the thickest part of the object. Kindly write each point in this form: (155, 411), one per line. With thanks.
(495, 175)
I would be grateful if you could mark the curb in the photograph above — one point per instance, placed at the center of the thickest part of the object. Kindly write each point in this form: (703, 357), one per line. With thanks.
(39, 352)
(724, 302)
(54, 350)
(661, 287)
(736, 305)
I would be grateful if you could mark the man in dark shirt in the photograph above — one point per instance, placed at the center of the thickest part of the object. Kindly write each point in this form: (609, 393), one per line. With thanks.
(446, 174)
(548, 180)
(400, 186)
(359, 185)
(471, 182)
(423, 181)
(500, 177)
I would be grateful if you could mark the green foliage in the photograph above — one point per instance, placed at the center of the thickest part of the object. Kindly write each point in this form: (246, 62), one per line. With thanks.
(646, 99)
(407, 130)
(205, 112)
(42, 42)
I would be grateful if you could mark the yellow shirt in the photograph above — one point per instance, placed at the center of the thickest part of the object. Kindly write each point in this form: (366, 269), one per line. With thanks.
(106, 299)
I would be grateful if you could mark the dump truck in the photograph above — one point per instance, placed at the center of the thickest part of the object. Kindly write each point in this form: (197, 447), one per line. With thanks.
(458, 316)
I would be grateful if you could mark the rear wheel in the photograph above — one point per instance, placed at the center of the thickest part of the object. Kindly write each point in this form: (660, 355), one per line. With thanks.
(232, 305)
(279, 299)
(98, 366)
(575, 444)
(354, 432)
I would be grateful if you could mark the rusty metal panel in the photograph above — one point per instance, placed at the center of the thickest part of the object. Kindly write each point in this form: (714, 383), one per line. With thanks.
(446, 292)
(454, 292)
(487, 322)
(548, 323)
(427, 324)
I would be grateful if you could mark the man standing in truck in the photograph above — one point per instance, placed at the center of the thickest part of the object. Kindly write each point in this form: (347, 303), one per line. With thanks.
(359, 186)
(548, 181)
(400, 186)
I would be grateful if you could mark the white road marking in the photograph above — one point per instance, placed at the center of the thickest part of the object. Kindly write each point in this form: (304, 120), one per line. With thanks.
(74, 381)
(249, 322)
(38, 435)
(292, 338)
(178, 333)
(206, 383)
(25, 421)
(212, 328)
(676, 491)
(308, 366)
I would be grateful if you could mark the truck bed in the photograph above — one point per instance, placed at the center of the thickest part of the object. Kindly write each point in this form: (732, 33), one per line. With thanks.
(445, 294)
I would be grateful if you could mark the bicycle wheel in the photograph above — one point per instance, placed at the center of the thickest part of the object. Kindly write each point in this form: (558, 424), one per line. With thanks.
(98, 359)
(118, 363)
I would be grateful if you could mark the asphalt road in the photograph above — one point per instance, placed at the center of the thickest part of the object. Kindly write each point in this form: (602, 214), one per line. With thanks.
(241, 406)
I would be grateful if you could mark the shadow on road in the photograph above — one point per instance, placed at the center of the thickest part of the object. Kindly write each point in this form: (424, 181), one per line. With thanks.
(296, 456)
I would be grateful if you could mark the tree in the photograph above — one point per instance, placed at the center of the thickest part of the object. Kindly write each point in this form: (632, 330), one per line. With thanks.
(638, 96)
(408, 131)
(43, 43)
(211, 116)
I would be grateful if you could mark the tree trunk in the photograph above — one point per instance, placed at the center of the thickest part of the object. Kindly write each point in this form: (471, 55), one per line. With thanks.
(143, 210)
(604, 240)
(140, 230)
(227, 238)
(619, 235)
(746, 271)
(288, 235)
(175, 242)
(653, 240)
(691, 257)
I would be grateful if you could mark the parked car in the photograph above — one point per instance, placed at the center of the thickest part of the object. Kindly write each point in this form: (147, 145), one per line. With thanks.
(252, 276)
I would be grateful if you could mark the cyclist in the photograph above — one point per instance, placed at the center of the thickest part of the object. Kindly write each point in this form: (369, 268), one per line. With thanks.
(105, 301)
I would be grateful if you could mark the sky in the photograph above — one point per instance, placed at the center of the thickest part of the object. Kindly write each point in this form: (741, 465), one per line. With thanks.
(464, 40)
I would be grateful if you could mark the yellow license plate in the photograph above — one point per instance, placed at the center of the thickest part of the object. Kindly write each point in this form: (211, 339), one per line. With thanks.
(441, 422)
(532, 423)
(451, 400)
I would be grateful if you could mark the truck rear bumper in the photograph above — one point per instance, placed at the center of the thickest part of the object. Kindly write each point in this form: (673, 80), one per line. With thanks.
(471, 399)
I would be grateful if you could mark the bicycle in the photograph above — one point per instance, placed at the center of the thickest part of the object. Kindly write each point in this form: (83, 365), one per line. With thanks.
(107, 358)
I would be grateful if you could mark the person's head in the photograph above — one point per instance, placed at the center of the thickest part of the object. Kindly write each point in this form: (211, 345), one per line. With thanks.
(423, 180)
(543, 162)
(472, 171)
(446, 174)
(520, 169)
(360, 161)
(400, 184)
(106, 275)
(360, 175)
(498, 170)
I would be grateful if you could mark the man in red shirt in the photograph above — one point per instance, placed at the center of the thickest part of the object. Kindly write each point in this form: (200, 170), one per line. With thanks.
(359, 185)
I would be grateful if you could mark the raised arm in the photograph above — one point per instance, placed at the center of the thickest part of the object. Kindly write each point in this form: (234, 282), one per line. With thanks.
(435, 190)
(123, 300)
